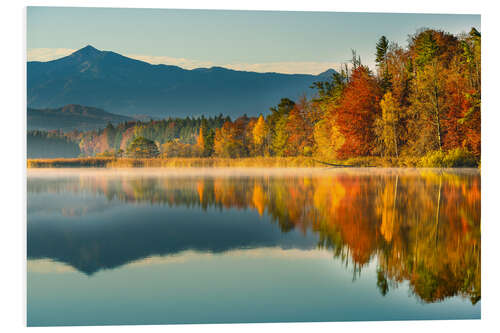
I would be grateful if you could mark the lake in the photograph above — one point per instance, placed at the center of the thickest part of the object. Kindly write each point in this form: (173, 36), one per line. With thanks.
(174, 246)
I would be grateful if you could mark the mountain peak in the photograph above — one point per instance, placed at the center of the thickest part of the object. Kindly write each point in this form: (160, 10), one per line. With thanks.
(328, 73)
(116, 83)
(87, 50)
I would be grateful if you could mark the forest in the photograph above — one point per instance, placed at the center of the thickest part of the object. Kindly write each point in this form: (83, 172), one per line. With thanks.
(420, 107)
(42, 144)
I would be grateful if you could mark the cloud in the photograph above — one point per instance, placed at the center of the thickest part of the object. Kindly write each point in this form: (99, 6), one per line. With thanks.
(165, 60)
(287, 67)
(298, 67)
(46, 54)
(48, 266)
(264, 252)
(291, 67)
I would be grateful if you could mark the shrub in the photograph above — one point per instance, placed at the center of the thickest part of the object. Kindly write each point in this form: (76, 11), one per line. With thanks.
(178, 149)
(433, 159)
(141, 147)
(455, 158)
(366, 161)
(459, 158)
(307, 151)
(408, 162)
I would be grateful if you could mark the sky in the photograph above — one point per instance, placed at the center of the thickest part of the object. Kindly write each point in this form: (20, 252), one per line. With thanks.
(261, 41)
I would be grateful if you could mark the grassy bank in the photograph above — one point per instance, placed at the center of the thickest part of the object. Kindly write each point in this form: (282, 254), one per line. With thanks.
(108, 162)
(263, 162)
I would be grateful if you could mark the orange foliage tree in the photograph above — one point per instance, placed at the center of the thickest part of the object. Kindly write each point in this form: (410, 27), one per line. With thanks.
(357, 112)
(300, 128)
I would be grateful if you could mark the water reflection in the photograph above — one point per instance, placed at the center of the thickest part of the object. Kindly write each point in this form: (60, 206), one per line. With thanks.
(420, 227)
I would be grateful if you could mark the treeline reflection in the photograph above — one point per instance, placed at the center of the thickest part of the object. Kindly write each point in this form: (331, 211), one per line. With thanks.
(422, 227)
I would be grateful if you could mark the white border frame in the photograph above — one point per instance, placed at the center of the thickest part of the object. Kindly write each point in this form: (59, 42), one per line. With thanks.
(13, 139)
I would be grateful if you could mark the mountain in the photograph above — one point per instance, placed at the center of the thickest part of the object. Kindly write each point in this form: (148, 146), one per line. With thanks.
(71, 117)
(327, 75)
(127, 86)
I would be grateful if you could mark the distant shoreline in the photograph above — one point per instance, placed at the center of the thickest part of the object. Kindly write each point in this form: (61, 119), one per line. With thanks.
(199, 162)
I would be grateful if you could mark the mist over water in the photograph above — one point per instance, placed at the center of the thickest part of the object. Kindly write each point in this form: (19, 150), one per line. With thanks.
(158, 246)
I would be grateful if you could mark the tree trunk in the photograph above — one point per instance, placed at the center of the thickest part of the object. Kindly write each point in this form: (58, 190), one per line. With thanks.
(438, 125)
(436, 107)
(395, 137)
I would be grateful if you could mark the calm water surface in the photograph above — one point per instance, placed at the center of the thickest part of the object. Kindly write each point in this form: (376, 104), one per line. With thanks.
(149, 246)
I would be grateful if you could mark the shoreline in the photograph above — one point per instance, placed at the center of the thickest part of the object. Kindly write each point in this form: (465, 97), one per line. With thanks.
(211, 162)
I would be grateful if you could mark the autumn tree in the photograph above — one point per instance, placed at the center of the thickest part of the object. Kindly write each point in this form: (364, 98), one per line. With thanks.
(471, 113)
(200, 140)
(230, 139)
(176, 148)
(280, 136)
(277, 134)
(141, 147)
(429, 95)
(205, 139)
(327, 137)
(399, 66)
(300, 128)
(259, 135)
(357, 112)
(432, 52)
(330, 91)
(387, 126)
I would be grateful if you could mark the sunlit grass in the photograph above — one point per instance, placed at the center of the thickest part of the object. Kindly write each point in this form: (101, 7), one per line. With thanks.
(177, 162)
(217, 162)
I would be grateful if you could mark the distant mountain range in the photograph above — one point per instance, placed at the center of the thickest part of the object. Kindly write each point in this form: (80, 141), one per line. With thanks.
(126, 86)
(71, 117)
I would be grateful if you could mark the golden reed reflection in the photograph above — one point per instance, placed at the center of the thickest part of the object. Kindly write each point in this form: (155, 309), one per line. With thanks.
(421, 227)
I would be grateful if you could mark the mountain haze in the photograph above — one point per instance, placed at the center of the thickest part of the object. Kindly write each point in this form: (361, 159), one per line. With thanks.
(127, 86)
(71, 117)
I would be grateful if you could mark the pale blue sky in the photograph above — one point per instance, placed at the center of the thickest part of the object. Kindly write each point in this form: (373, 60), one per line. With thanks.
(254, 40)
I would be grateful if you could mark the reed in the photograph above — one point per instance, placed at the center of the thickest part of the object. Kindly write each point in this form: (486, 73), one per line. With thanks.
(89, 162)
(177, 162)
(217, 162)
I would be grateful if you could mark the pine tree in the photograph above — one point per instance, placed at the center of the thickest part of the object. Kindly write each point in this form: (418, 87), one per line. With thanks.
(382, 48)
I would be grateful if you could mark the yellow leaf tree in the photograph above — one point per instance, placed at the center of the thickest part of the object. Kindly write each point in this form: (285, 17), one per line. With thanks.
(259, 134)
(387, 125)
(200, 141)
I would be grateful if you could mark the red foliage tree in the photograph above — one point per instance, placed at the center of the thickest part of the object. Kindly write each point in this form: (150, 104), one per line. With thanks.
(456, 103)
(357, 112)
